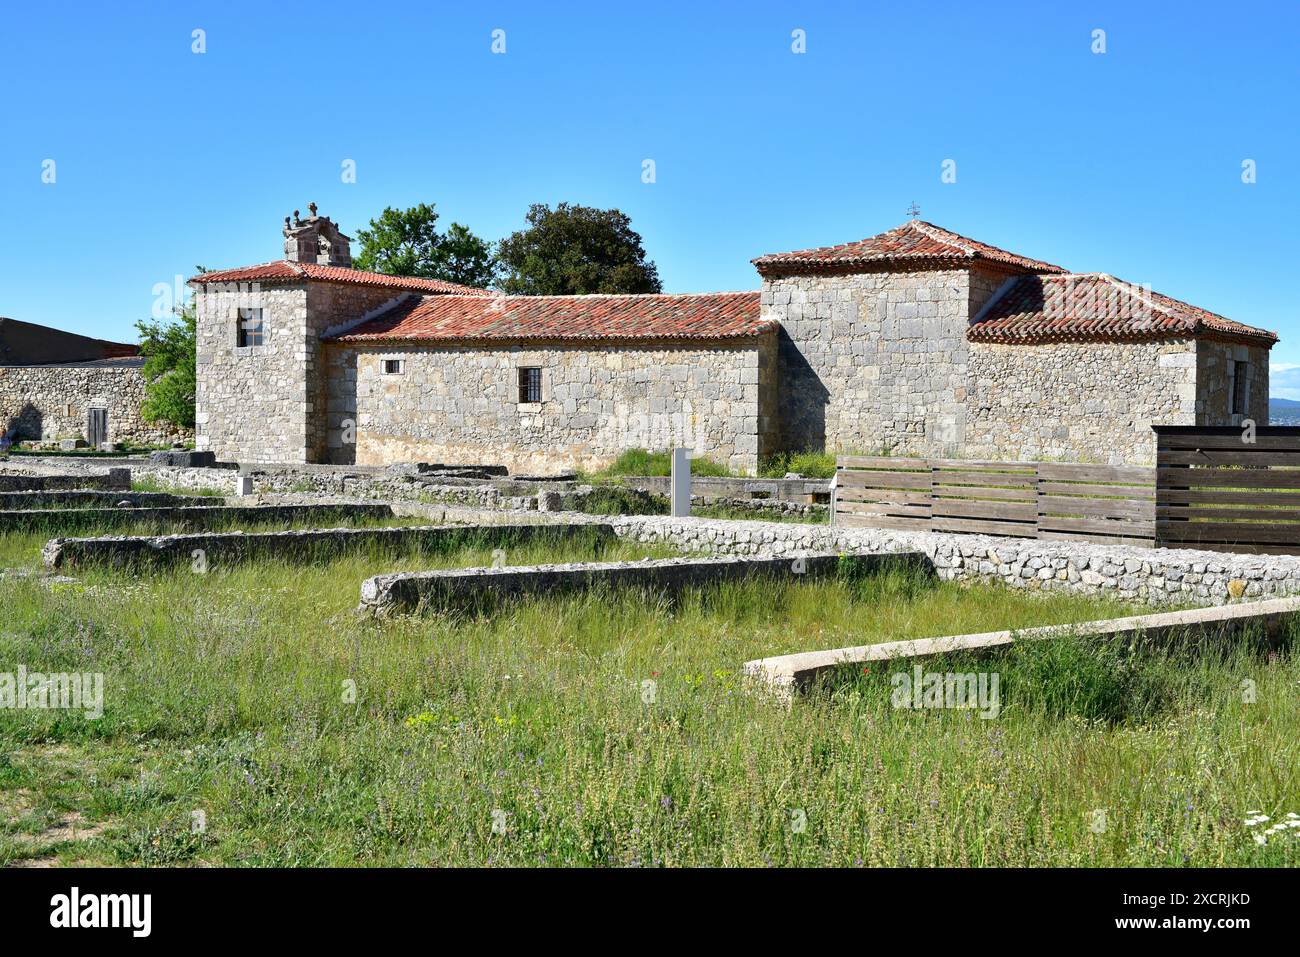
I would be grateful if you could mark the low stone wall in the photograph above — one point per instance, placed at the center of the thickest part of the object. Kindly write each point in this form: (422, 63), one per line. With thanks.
(767, 507)
(787, 674)
(400, 484)
(479, 587)
(231, 548)
(1155, 576)
(708, 488)
(114, 479)
(84, 498)
(190, 517)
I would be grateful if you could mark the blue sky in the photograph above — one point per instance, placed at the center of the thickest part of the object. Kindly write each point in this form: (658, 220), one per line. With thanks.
(1128, 162)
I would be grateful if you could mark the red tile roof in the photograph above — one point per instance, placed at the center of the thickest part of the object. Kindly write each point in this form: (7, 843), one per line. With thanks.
(284, 270)
(915, 243)
(716, 315)
(1096, 306)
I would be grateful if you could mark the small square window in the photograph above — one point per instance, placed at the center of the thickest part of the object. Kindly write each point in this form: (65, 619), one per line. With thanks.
(249, 328)
(392, 367)
(530, 384)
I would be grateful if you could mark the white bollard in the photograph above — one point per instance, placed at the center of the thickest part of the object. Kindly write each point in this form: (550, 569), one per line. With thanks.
(680, 486)
(835, 484)
(243, 485)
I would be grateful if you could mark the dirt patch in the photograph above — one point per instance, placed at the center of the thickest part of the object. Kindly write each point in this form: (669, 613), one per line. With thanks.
(70, 827)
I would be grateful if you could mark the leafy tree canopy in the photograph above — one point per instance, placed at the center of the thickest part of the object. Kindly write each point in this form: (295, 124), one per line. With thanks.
(406, 242)
(168, 348)
(572, 250)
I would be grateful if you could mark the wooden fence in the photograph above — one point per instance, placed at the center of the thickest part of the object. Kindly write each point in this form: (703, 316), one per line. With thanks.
(1096, 503)
(1219, 490)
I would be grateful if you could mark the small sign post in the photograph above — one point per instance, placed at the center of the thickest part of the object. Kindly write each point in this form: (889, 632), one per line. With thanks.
(680, 485)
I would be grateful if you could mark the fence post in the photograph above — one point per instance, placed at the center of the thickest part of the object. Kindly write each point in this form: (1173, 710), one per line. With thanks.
(835, 484)
(679, 498)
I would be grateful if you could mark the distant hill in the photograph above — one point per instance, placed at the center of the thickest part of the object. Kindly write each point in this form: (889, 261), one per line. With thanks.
(1283, 411)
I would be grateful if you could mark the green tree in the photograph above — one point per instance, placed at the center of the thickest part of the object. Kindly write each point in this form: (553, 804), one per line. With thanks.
(168, 348)
(406, 242)
(571, 250)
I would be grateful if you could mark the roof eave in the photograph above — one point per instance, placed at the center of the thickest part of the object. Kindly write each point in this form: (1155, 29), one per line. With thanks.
(774, 266)
(1265, 340)
(488, 341)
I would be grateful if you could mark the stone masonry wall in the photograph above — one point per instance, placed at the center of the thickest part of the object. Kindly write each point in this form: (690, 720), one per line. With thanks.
(260, 403)
(53, 402)
(460, 404)
(251, 402)
(329, 306)
(1214, 376)
(1156, 576)
(1097, 401)
(1078, 401)
(876, 360)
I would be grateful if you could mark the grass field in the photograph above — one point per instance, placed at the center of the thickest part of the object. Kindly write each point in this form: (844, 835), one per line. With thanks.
(255, 701)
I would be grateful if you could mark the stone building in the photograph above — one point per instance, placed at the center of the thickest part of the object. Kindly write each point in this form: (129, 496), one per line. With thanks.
(916, 341)
(59, 385)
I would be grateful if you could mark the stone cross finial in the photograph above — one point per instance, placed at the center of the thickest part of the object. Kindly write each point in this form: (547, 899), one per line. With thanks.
(914, 211)
(296, 220)
(311, 208)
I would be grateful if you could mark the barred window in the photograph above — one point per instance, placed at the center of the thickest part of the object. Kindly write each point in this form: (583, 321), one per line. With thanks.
(392, 367)
(530, 384)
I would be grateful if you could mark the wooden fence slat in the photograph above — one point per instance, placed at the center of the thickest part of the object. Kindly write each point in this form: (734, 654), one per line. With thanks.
(1010, 529)
(1134, 492)
(1117, 508)
(877, 462)
(999, 510)
(1230, 532)
(882, 521)
(1013, 480)
(1262, 443)
(1133, 474)
(1099, 525)
(1242, 456)
(979, 466)
(1173, 496)
(961, 493)
(902, 497)
(873, 508)
(1230, 478)
(1223, 514)
(885, 480)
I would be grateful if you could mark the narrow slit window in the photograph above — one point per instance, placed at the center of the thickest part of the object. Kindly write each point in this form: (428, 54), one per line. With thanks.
(1240, 377)
(392, 367)
(530, 384)
(249, 328)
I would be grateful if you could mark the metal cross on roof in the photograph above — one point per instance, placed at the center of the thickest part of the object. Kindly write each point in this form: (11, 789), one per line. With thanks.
(914, 211)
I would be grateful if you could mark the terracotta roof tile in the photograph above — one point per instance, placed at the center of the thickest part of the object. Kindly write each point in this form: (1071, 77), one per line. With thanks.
(1097, 306)
(283, 270)
(914, 243)
(718, 315)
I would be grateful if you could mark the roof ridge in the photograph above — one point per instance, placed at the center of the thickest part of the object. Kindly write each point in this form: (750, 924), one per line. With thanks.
(953, 239)
(633, 295)
(1132, 290)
